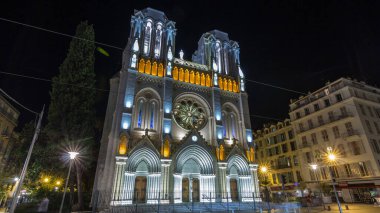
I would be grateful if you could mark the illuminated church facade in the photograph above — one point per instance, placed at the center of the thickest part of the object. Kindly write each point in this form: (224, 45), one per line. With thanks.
(176, 130)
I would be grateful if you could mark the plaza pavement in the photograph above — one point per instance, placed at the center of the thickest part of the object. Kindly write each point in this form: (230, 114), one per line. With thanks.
(353, 208)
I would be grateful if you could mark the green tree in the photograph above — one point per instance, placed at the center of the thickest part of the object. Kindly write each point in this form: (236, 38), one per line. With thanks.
(71, 115)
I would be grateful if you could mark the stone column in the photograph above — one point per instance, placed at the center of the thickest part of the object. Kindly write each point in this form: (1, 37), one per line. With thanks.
(245, 188)
(222, 167)
(177, 192)
(255, 180)
(117, 191)
(153, 186)
(207, 188)
(164, 188)
(129, 187)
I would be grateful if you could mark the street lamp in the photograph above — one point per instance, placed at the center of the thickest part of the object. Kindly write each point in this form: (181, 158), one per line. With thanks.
(264, 170)
(314, 168)
(332, 158)
(72, 158)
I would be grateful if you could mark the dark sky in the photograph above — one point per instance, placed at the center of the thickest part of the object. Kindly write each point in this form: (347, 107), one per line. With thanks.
(294, 44)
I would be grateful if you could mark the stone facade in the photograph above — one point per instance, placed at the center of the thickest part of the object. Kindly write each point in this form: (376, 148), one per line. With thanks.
(8, 121)
(176, 130)
(343, 118)
(277, 150)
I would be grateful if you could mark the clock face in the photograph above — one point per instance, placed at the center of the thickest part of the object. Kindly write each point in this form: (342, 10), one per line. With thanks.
(189, 114)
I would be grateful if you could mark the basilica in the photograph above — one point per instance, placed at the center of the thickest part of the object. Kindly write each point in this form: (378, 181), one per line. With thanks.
(176, 130)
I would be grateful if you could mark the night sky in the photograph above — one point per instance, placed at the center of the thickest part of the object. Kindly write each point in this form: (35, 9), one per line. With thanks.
(293, 44)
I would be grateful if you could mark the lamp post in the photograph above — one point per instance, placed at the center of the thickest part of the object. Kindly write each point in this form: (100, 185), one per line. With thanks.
(26, 163)
(332, 158)
(264, 170)
(72, 157)
(314, 167)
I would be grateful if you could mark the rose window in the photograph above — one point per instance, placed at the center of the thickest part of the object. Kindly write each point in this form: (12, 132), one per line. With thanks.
(189, 114)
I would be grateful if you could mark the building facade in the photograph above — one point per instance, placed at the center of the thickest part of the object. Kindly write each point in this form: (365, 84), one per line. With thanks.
(343, 118)
(176, 130)
(8, 121)
(277, 151)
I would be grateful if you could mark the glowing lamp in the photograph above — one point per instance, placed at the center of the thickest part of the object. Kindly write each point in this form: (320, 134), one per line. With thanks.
(58, 183)
(73, 155)
(125, 125)
(46, 180)
(16, 179)
(220, 136)
(314, 166)
(331, 157)
(128, 104)
(264, 169)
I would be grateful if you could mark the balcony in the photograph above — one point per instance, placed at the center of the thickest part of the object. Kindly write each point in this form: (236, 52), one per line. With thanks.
(350, 134)
(326, 122)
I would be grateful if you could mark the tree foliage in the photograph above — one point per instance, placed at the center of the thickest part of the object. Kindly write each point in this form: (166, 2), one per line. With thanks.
(71, 116)
(71, 112)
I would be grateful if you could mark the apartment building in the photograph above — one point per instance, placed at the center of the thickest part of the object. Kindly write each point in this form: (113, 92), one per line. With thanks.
(8, 121)
(276, 148)
(344, 117)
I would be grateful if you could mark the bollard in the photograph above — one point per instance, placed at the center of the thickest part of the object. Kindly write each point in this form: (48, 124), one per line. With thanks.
(328, 208)
(346, 207)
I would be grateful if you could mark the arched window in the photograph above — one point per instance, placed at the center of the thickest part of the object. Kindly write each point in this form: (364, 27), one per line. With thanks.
(140, 113)
(230, 123)
(152, 113)
(218, 55)
(224, 123)
(157, 49)
(233, 125)
(148, 34)
(147, 111)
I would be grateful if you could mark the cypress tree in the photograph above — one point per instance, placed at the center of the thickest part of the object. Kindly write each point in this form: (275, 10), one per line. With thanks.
(71, 115)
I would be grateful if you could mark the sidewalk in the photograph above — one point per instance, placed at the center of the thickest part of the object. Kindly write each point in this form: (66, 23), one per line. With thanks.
(353, 208)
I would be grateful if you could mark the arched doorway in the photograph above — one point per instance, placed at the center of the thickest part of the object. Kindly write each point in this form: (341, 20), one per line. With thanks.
(239, 182)
(234, 191)
(190, 181)
(194, 177)
(142, 182)
(139, 192)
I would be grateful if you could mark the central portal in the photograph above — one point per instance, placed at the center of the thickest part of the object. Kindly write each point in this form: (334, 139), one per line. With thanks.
(190, 181)
(190, 188)
(234, 190)
(195, 193)
(140, 189)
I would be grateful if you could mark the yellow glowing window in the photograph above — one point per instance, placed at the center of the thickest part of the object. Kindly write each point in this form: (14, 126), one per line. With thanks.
(154, 68)
(141, 65)
(175, 73)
